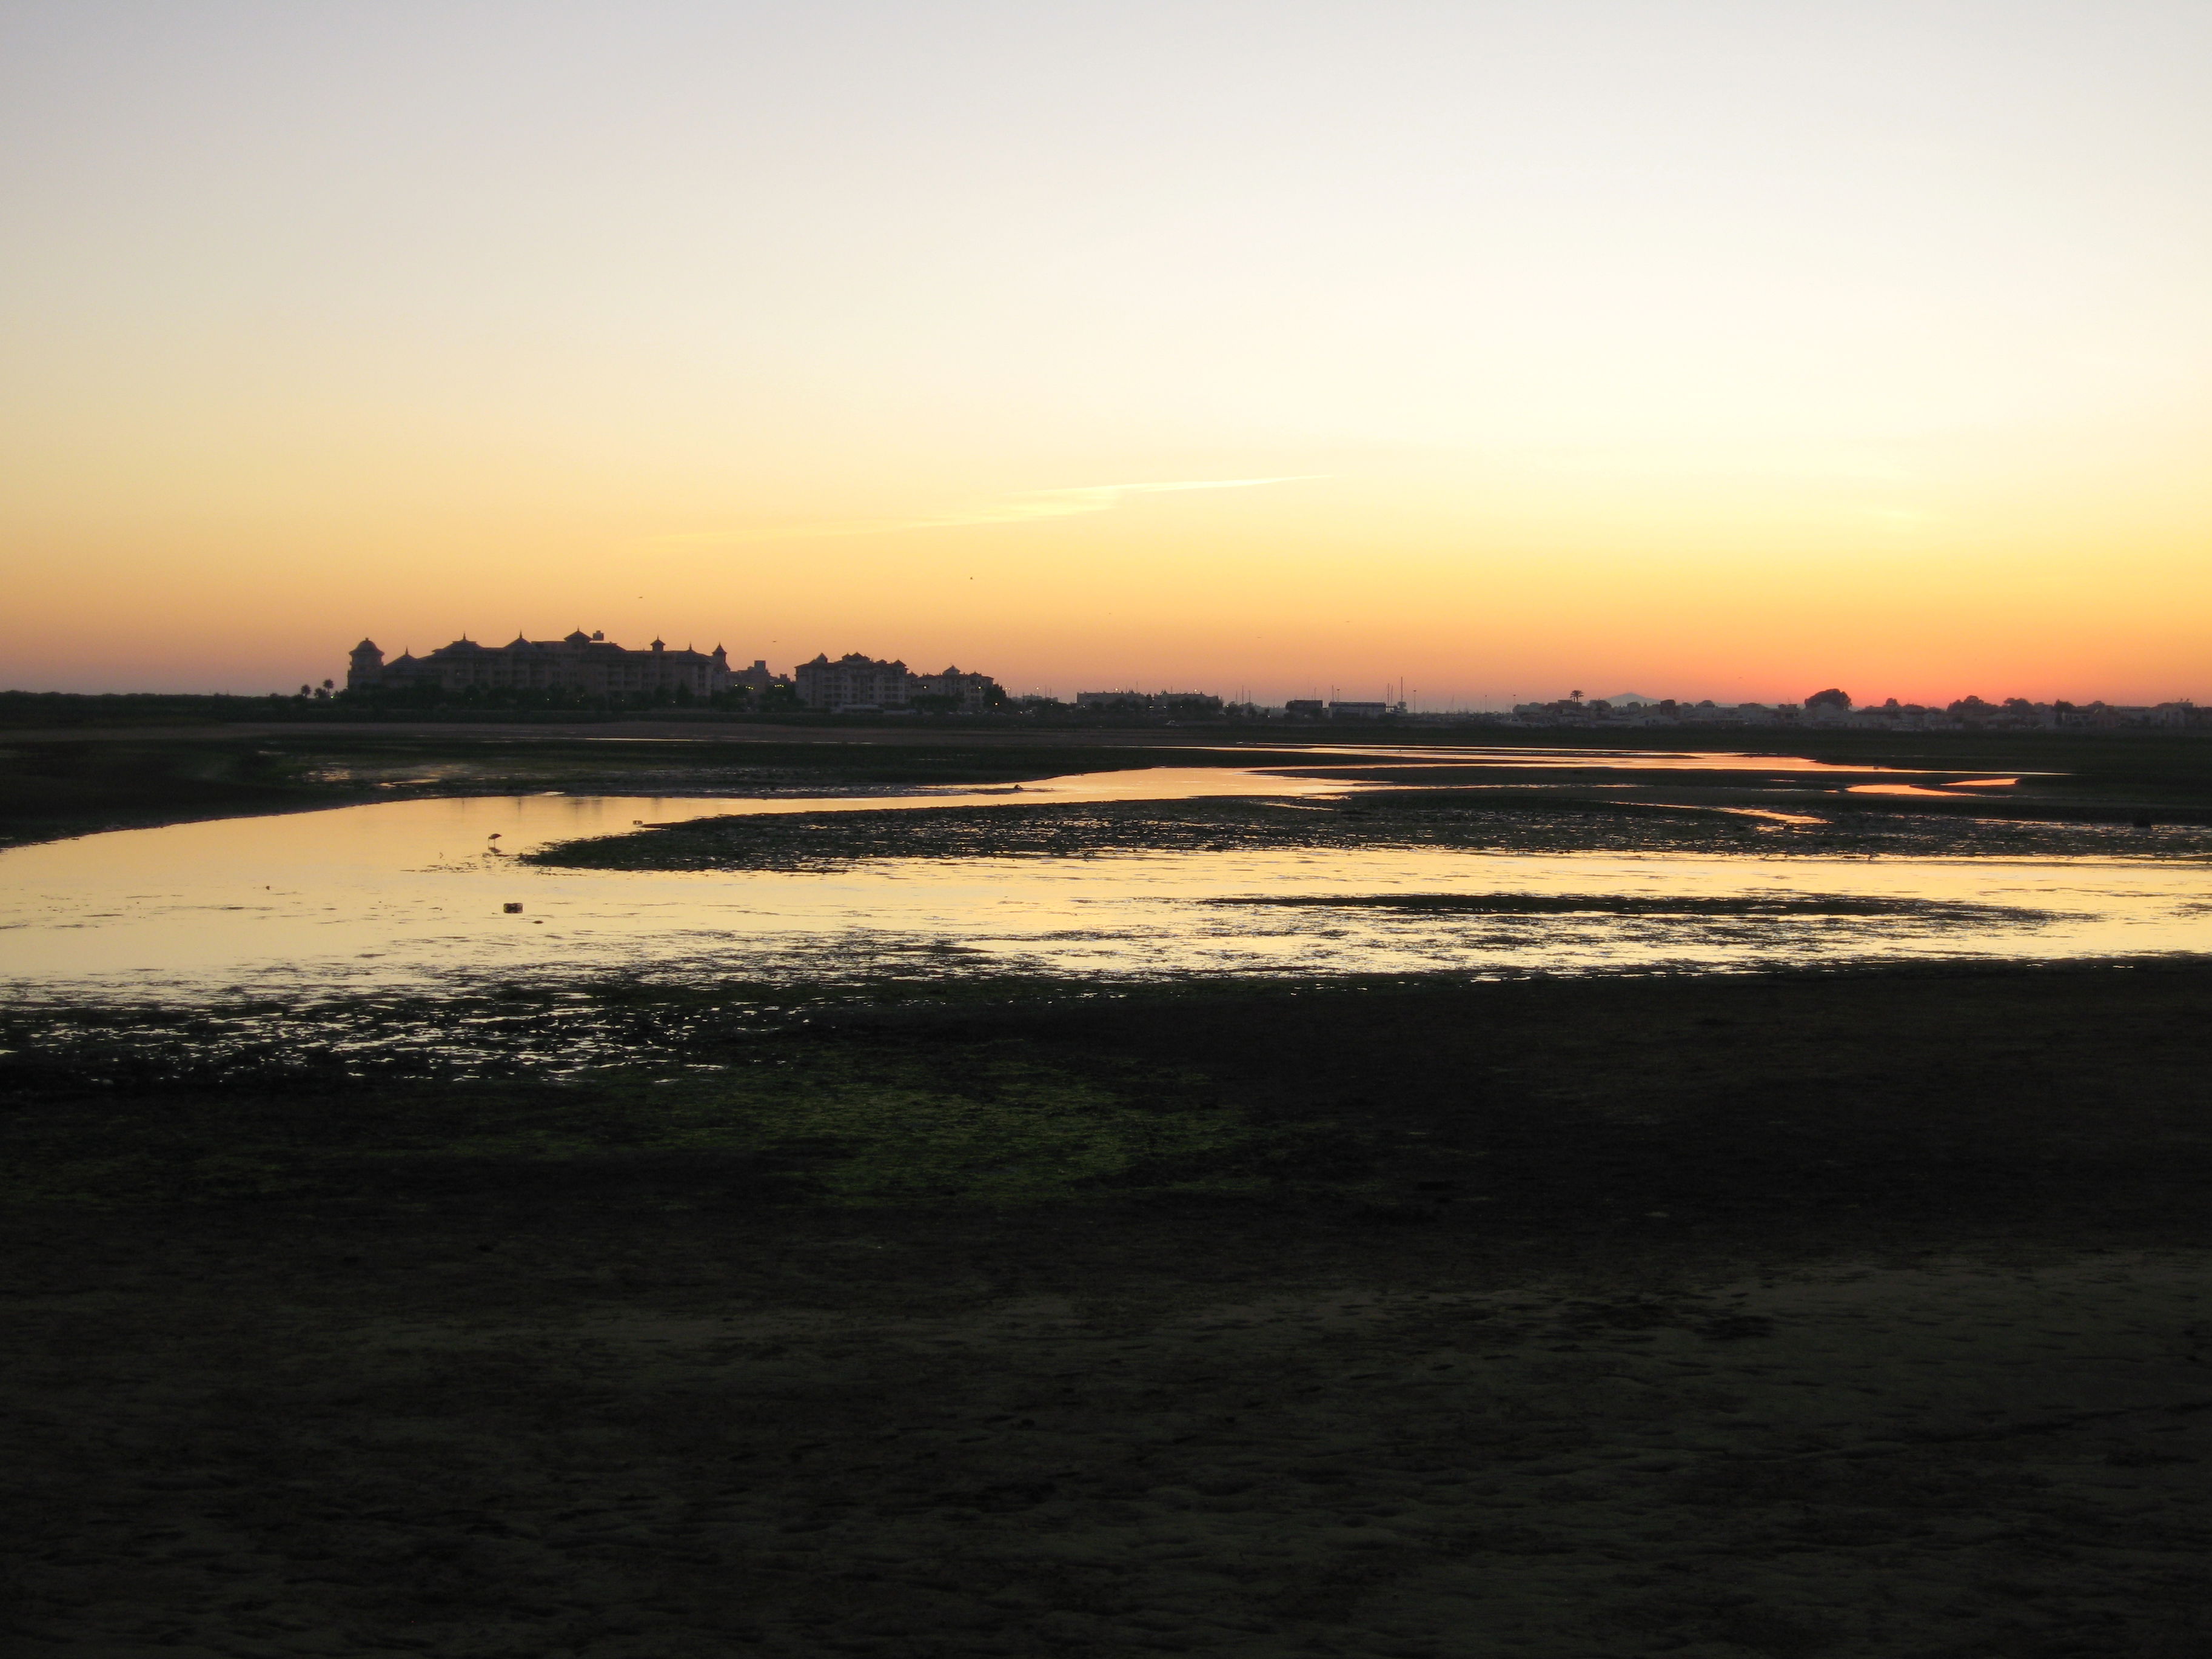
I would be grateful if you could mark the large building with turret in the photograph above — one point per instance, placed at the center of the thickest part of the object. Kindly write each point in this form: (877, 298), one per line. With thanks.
(582, 662)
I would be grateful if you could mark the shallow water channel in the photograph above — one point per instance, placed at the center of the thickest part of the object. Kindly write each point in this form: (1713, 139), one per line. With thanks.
(412, 894)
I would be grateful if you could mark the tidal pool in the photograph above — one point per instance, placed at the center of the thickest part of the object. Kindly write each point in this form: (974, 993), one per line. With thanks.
(410, 895)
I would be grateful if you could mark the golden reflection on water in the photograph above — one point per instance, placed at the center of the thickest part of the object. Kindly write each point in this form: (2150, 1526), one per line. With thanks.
(408, 893)
(1945, 791)
(1579, 760)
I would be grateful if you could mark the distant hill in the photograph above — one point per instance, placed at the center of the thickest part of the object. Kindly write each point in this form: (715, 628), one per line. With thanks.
(1632, 700)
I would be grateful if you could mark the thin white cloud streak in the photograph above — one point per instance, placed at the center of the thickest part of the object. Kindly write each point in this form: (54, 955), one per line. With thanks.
(1024, 508)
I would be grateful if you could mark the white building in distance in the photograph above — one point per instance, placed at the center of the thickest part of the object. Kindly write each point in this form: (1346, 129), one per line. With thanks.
(856, 684)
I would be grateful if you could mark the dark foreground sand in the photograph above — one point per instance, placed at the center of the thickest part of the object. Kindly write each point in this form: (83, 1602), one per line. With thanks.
(1855, 1317)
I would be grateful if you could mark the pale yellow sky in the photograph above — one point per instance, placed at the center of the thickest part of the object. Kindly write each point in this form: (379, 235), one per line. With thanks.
(1698, 349)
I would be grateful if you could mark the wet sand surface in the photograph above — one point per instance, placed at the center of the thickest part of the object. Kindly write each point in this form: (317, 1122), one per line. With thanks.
(1862, 1315)
(1971, 1457)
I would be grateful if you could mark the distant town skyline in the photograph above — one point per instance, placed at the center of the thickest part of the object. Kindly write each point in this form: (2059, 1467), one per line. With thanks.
(839, 682)
(1719, 350)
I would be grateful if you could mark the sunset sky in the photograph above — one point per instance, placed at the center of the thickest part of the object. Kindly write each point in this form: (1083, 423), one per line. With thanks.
(1499, 349)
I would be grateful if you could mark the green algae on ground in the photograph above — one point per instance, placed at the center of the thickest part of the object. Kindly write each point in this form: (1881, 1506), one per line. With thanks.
(876, 1127)
(801, 1122)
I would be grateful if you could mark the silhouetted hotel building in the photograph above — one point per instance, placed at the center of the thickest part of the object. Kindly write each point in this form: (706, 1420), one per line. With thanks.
(855, 682)
(581, 662)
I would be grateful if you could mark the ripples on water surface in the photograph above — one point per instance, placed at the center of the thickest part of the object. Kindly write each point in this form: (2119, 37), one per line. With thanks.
(405, 895)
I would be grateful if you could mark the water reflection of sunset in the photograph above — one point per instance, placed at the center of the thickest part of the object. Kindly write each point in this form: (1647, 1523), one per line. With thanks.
(408, 894)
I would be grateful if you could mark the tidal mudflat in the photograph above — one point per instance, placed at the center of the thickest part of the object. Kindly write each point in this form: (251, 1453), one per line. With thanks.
(1046, 1286)
(1849, 1315)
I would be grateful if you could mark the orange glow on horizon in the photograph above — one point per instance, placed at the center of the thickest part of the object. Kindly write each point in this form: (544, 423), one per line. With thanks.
(1705, 354)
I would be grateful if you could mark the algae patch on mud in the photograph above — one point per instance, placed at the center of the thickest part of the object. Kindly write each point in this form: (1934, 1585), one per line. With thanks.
(853, 1124)
(874, 1127)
